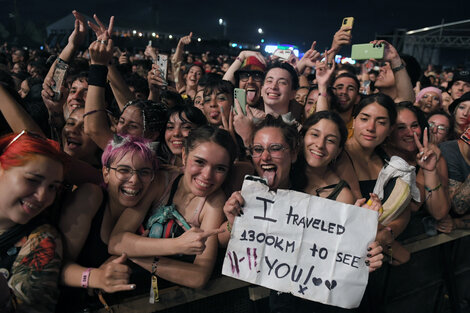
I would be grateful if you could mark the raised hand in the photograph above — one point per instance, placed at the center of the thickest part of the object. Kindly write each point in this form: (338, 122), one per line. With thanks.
(390, 53)
(155, 78)
(151, 52)
(47, 95)
(233, 206)
(193, 241)
(426, 157)
(101, 50)
(243, 124)
(186, 40)
(324, 71)
(373, 203)
(114, 276)
(310, 57)
(100, 29)
(341, 38)
(77, 37)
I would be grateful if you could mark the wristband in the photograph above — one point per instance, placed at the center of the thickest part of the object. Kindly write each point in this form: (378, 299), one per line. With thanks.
(154, 296)
(322, 95)
(94, 111)
(239, 59)
(85, 277)
(97, 75)
(229, 227)
(398, 68)
(432, 189)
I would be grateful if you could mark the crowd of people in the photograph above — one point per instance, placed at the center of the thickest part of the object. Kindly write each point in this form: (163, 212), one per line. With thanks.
(116, 176)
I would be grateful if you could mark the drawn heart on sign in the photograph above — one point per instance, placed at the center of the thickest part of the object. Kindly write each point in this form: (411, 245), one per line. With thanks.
(316, 281)
(330, 285)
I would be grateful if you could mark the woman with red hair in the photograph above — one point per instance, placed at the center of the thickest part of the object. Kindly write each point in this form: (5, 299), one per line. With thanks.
(31, 174)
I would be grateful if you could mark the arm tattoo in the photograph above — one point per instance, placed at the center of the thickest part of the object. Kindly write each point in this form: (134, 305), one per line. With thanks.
(460, 193)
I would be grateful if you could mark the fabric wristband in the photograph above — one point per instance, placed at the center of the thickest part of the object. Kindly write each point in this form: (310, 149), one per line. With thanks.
(85, 277)
(97, 75)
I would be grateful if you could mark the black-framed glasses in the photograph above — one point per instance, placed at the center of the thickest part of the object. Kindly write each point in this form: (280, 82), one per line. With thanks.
(275, 150)
(441, 129)
(257, 76)
(124, 173)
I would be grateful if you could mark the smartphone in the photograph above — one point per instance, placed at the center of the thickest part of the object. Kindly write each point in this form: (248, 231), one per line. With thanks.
(59, 76)
(367, 51)
(466, 136)
(282, 54)
(240, 95)
(162, 62)
(347, 22)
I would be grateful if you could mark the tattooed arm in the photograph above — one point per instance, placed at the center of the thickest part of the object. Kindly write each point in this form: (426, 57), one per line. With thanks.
(460, 195)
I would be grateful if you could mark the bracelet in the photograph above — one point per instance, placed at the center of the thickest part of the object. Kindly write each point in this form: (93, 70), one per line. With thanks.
(97, 75)
(229, 227)
(398, 68)
(322, 95)
(390, 230)
(62, 64)
(86, 277)
(239, 59)
(433, 189)
(94, 111)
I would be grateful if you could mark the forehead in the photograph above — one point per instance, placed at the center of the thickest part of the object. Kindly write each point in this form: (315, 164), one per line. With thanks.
(211, 152)
(131, 158)
(132, 111)
(79, 82)
(175, 117)
(439, 119)
(325, 126)
(374, 109)
(269, 135)
(279, 73)
(345, 81)
(195, 69)
(432, 93)
(406, 115)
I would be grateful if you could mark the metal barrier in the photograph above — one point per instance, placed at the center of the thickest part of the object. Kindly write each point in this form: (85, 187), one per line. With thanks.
(435, 280)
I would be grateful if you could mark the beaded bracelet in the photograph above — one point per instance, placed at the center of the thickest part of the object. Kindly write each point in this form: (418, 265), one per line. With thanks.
(229, 227)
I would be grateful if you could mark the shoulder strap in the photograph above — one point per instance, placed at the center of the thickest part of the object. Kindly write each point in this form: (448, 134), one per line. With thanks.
(339, 186)
(173, 189)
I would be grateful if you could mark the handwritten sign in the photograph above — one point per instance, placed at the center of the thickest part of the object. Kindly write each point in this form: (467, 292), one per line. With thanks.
(293, 242)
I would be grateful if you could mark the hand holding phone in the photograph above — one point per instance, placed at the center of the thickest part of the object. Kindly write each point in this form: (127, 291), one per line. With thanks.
(240, 95)
(347, 22)
(367, 51)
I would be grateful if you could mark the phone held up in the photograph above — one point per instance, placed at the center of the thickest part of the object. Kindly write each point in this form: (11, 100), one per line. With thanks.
(367, 51)
(240, 95)
(347, 22)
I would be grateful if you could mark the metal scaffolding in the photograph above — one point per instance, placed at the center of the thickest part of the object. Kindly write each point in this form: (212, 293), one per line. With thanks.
(426, 44)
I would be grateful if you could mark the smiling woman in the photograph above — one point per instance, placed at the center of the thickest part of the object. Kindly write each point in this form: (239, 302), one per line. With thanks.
(31, 174)
(184, 218)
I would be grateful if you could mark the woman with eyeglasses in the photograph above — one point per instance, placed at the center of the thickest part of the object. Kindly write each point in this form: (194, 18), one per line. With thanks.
(90, 213)
(182, 215)
(31, 175)
(440, 127)
(274, 150)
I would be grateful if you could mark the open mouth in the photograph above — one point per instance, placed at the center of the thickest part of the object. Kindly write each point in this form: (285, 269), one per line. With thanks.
(251, 94)
(202, 185)
(30, 208)
(177, 143)
(214, 114)
(316, 154)
(130, 192)
(269, 173)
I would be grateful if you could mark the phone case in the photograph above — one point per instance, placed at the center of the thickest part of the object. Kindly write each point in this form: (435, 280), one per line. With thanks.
(466, 136)
(59, 76)
(162, 62)
(240, 95)
(347, 22)
(367, 51)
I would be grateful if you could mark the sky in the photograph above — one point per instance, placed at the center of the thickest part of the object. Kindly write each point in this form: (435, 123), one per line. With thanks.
(290, 22)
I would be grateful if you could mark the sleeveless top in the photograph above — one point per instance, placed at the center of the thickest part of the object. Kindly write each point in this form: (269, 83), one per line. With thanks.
(95, 252)
(168, 194)
(336, 189)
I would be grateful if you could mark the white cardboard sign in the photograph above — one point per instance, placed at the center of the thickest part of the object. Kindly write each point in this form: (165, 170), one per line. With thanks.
(293, 242)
